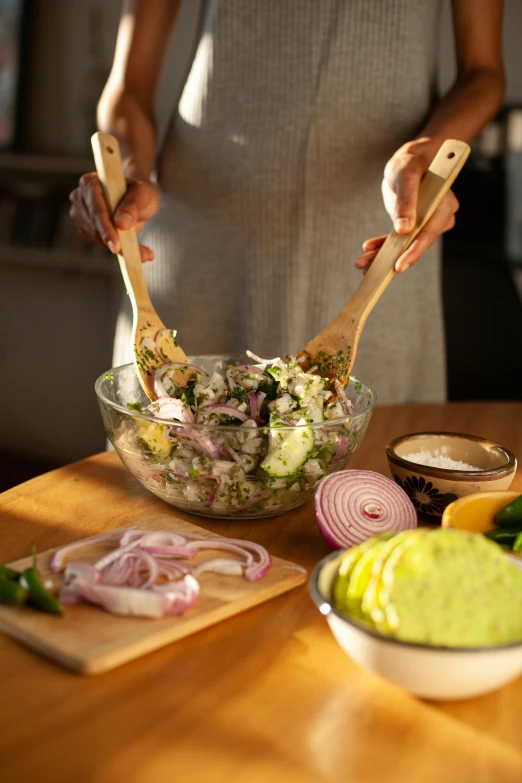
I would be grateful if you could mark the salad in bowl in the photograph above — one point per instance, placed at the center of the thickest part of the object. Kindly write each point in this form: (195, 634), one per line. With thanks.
(244, 437)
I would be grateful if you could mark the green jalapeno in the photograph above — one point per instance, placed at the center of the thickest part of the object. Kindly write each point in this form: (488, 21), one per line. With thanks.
(12, 592)
(38, 597)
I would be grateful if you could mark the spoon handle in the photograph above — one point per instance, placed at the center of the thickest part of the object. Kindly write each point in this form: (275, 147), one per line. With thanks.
(438, 179)
(110, 171)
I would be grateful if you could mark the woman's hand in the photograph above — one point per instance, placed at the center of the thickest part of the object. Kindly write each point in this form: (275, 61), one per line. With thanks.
(400, 187)
(92, 218)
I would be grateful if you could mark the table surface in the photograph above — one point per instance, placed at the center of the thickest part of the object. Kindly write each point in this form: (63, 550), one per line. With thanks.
(266, 696)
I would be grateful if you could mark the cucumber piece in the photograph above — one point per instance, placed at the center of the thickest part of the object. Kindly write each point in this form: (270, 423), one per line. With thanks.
(289, 452)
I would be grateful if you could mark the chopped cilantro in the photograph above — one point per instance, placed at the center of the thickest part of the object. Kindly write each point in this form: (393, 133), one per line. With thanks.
(270, 388)
(135, 406)
(240, 394)
(187, 394)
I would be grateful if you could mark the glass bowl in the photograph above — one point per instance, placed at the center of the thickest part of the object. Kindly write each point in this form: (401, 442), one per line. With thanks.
(151, 449)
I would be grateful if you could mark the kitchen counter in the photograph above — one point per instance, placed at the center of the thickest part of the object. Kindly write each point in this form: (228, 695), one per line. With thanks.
(267, 696)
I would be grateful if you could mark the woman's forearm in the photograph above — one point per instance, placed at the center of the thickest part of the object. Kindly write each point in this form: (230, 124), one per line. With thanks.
(463, 112)
(120, 113)
(126, 107)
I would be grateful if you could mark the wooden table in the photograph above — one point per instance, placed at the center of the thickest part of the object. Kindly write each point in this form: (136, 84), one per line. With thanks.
(265, 697)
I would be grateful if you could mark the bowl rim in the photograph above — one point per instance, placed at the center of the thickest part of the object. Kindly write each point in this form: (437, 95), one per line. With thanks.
(321, 602)
(223, 427)
(446, 473)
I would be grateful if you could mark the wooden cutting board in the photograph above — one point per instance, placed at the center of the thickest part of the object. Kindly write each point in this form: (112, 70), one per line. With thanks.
(89, 640)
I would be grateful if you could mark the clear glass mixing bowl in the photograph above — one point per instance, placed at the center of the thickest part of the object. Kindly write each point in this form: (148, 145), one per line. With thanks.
(150, 454)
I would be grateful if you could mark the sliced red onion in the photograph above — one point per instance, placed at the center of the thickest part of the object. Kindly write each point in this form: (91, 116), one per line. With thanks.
(167, 332)
(124, 580)
(226, 410)
(254, 570)
(57, 561)
(180, 595)
(261, 361)
(118, 600)
(171, 408)
(210, 502)
(341, 449)
(148, 343)
(169, 551)
(158, 383)
(352, 505)
(199, 441)
(220, 565)
(151, 564)
(172, 569)
(250, 502)
(115, 555)
(84, 571)
(343, 399)
(153, 538)
(235, 456)
(254, 410)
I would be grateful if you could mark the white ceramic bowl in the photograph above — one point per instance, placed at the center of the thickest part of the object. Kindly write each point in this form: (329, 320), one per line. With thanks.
(437, 673)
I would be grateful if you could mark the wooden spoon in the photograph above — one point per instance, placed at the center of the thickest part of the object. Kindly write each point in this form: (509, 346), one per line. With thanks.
(147, 327)
(333, 350)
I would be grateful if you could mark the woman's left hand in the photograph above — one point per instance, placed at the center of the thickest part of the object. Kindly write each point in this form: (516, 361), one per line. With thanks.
(400, 188)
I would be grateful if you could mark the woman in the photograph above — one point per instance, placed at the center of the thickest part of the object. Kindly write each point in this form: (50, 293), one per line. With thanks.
(271, 171)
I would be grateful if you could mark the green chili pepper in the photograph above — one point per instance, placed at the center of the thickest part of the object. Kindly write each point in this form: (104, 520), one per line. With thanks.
(38, 597)
(503, 536)
(511, 515)
(8, 573)
(12, 592)
(517, 546)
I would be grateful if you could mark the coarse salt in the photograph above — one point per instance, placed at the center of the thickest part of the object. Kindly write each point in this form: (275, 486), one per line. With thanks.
(438, 461)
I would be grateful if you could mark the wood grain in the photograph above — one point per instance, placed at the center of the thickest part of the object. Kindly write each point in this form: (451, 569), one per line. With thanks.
(265, 696)
(90, 641)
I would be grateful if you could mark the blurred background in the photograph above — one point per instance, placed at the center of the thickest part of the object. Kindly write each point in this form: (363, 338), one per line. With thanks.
(59, 297)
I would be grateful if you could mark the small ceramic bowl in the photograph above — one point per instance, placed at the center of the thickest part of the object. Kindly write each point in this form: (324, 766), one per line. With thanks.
(438, 673)
(433, 489)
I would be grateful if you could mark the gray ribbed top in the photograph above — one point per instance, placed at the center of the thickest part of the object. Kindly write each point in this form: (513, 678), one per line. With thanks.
(271, 174)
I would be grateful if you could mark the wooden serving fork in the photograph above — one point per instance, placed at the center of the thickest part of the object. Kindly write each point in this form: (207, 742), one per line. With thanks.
(334, 349)
(153, 344)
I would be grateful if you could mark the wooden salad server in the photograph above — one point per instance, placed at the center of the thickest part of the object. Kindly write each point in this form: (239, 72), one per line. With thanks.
(153, 344)
(334, 349)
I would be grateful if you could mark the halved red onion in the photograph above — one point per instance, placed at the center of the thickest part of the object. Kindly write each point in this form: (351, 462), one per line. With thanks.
(226, 410)
(352, 505)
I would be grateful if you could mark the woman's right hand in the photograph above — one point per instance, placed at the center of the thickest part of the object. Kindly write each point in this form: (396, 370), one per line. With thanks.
(92, 218)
